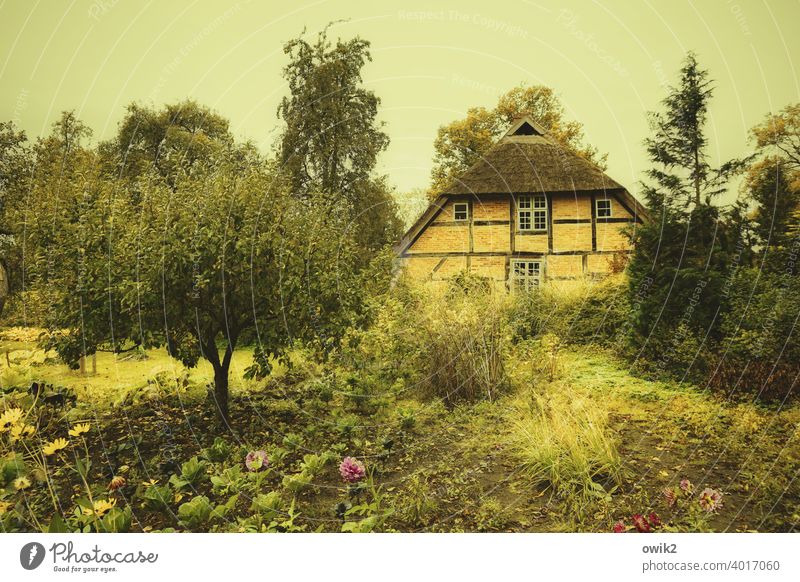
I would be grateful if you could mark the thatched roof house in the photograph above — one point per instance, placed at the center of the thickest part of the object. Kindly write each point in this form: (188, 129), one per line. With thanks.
(528, 211)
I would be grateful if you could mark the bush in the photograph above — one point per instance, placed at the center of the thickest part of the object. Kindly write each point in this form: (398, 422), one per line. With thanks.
(449, 343)
(587, 313)
(761, 355)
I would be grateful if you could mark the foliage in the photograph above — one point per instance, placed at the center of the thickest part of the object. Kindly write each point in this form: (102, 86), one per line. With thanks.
(331, 137)
(593, 313)
(681, 173)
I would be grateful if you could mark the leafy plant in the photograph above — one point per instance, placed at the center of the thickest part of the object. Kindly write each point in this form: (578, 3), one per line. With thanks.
(267, 506)
(218, 452)
(195, 513)
(191, 473)
(228, 481)
(157, 497)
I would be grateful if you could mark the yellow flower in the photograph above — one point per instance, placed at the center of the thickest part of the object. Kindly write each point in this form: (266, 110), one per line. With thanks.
(79, 429)
(10, 418)
(21, 483)
(21, 430)
(101, 507)
(150, 483)
(55, 446)
(4, 507)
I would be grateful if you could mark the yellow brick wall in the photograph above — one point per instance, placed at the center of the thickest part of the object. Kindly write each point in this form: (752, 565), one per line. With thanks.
(494, 208)
(493, 267)
(564, 266)
(446, 215)
(610, 237)
(419, 267)
(572, 237)
(530, 243)
(442, 239)
(491, 238)
(598, 264)
(571, 206)
(451, 266)
(617, 209)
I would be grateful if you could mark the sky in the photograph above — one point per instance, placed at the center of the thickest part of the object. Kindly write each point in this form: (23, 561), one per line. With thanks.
(609, 61)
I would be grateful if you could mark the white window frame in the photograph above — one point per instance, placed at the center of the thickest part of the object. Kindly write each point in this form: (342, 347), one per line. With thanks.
(597, 208)
(532, 209)
(456, 211)
(526, 274)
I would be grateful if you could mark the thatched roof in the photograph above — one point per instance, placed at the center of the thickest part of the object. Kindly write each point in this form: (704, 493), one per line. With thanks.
(527, 160)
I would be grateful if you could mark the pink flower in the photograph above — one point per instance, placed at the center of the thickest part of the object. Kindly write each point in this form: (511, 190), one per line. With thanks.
(619, 527)
(654, 520)
(640, 523)
(686, 486)
(710, 499)
(352, 470)
(256, 461)
(670, 496)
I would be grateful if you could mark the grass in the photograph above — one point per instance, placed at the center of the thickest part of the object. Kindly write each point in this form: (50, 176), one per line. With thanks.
(564, 441)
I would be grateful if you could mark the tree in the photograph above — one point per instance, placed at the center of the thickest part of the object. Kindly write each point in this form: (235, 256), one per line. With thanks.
(171, 140)
(331, 138)
(195, 263)
(15, 164)
(681, 258)
(682, 175)
(463, 142)
(773, 181)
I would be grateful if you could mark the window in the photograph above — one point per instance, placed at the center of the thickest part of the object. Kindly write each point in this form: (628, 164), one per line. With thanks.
(526, 275)
(603, 208)
(532, 213)
(460, 211)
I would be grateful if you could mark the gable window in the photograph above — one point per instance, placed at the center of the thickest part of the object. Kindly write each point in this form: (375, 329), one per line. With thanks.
(526, 275)
(603, 208)
(460, 211)
(532, 213)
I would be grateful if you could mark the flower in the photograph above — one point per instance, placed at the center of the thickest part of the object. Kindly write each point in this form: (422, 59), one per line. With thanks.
(686, 486)
(79, 429)
(55, 446)
(640, 523)
(710, 499)
(654, 520)
(100, 507)
(670, 496)
(352, 470)
(117, 482)
(9, 418)
(256, 461)
(21, 430)
(4, 507)
(619, 527)
(21, 483)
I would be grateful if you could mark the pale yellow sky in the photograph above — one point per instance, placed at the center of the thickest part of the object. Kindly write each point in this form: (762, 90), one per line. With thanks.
(608, 60)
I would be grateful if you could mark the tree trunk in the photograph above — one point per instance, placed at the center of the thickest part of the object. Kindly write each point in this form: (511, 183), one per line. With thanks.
(221, 391)
(94, 364)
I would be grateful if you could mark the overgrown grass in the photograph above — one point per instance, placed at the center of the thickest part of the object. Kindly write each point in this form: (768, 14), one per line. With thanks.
(564, 441)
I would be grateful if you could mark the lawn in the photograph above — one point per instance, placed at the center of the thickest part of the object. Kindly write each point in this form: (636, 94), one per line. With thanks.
(578, 444)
